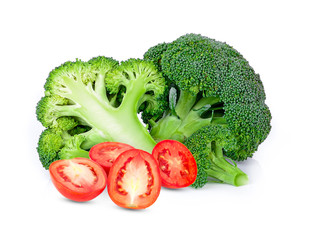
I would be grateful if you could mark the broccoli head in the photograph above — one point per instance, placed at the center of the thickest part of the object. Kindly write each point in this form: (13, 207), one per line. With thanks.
(209, 83)
(86, 103)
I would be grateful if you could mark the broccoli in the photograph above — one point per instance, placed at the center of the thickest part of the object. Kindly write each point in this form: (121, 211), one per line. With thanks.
(209, 84)
(57, 144)
(207, 146)
(86, 103)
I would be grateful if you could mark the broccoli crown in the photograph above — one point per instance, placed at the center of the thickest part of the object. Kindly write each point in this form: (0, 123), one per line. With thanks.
(215, 85)
(152, 101)
(196, 64)
(250, 124)
(207, 146)
(86, 103)
(58, 79)
(154, 54)
(132, 69)
(240, 84)
(102, 65)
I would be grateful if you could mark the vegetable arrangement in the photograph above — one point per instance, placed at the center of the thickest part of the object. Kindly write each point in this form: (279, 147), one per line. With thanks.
(201, 103)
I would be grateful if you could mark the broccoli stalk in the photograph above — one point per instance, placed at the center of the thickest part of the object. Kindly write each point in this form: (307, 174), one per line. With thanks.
(186, 116)
(224, 171)
(100, 95)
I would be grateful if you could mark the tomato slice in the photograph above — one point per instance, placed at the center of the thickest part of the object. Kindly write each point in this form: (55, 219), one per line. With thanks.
(79, 179)
(134, 180)
(177, 165)
(105, 153)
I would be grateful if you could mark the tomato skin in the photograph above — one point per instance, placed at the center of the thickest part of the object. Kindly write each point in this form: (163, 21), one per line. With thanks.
(134, 181)
(105, 153)
(66, 186)
(178, 168)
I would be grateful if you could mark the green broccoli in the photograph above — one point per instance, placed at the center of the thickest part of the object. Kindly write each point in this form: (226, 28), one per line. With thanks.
(57, 144)
(86, 103)
(207, 146)
(210, 83)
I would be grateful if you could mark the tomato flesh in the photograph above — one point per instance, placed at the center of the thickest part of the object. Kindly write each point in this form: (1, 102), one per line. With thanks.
(105, 153)
(78, 174)
(79, 179)
(177, 165)
(134, 180)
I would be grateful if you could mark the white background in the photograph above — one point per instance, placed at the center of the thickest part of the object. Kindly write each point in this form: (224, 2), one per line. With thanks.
(37, 36)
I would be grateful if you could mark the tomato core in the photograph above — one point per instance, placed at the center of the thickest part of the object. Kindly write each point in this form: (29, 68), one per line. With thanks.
(78, 174)
(134, 180)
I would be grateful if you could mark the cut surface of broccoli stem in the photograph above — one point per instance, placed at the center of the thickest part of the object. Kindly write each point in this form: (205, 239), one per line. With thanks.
(119, 124)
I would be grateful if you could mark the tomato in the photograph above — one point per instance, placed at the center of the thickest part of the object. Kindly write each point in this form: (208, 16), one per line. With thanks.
(134, 180)
(177, 165)
(105, 153)
(79, 179)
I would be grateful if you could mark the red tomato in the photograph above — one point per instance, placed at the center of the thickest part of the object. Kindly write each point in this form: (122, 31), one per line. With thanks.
(177, 165)
(105, 153)
(134, 180)
(79, 179)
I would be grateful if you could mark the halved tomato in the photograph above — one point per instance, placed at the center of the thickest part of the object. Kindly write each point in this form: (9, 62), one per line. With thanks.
(79, 179)
(177, 165)
(105, 153)
(134, 180)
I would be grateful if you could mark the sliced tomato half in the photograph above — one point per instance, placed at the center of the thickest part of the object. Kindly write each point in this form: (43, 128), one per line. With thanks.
(105, 153)
(134, 180)
(79, 179)
(177, 165)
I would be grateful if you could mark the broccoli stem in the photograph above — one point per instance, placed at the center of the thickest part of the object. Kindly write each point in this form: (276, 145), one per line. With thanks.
(188, 120)
(73, 153)
(224, 171)
(100, 87)
(165, 128)
(185, 103)
(93, 137)
(119, 124)
(71, 148)
(131, 131)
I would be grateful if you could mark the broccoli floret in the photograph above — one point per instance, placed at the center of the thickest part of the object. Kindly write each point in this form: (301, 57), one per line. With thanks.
(155, 54)
(49, 113)
(207, 145)
(86, 103)
(250, 124)
(57, 144)
(49, 145)
(210, 83)
(73, 147)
